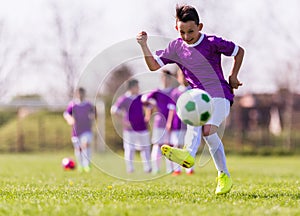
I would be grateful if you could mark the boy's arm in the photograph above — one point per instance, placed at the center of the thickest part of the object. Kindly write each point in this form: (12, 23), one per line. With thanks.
(238, 59)
(148, 112)
(150, 60)
(170, 119)
(70, 119)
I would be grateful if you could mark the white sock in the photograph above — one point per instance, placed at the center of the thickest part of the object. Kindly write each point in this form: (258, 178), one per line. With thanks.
(77, 154)
(169, 166)
(217, 152)
(146, 158)
(156, 158)
(129, 156)
(192, 139)
(85, 155)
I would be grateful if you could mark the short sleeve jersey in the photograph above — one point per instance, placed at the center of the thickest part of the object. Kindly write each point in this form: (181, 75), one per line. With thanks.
(201, 63)
(132, 107)
(162, 99)
(82, 113)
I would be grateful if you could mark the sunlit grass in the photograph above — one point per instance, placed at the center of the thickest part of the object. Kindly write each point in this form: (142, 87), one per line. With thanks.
(37, 185)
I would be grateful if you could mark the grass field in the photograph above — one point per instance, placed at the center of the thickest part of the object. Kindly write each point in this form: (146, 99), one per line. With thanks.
(35, 184)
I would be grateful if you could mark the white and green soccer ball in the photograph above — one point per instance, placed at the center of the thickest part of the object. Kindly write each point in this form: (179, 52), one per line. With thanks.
(194, 107)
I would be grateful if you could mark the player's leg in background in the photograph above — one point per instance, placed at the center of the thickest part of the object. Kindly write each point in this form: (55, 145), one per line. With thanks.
(169, 165)
(129, 150)
(174, 140)
(167, 140)
(145, 150)
(77, 152)
(157, 140)
(180, 144)
(85, 144)
(156, 158)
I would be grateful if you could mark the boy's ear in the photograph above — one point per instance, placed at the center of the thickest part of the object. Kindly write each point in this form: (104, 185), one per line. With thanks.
(200, 26)
(176, 27)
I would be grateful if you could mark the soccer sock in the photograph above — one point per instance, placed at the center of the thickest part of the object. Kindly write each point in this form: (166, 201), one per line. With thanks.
(89, 154)
(129, 155)
(84, 156)
(176, 167)
(217, 152)
(155, 157)
(193, 139)
(146, 157)
(169, 166)
(77, 154)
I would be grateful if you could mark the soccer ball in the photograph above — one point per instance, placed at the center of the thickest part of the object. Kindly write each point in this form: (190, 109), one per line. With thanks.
(194, 107)
(68, 164)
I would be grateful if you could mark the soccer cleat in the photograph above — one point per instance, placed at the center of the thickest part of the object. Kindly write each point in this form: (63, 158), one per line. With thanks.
(87, 169)
(224, 184)
(180, 156)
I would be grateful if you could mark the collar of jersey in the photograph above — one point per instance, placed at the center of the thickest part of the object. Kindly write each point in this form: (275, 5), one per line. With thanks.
(197, 42)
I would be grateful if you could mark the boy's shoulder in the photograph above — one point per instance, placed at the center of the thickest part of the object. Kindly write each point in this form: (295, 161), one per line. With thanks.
(212, 38)
(215, 39)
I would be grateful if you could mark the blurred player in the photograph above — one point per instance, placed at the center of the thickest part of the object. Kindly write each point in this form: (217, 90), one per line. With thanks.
(178, 130)
(80, 115)
(135, 132)
(160, 99)
(199, 57)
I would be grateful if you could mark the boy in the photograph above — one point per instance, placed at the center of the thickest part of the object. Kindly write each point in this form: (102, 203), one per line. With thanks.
(80, 114)
(160, 99)
(199, 57)
(135, 132)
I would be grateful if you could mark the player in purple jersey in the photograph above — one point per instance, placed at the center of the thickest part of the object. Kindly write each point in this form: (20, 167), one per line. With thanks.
(135, 132)
(199, 57)
(80, 115)
(160, 99)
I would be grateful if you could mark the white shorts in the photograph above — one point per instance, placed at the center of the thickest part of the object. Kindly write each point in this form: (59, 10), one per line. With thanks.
(137, 140)
(86, 137)
(177, 138)
(221, 111)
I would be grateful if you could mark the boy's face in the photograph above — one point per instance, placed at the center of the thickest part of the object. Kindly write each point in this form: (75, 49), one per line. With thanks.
(189, 31)
(135, 89)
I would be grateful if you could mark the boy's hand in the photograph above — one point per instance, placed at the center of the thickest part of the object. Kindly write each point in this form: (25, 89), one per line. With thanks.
(234, 82)
(71, 121)
(142, 38)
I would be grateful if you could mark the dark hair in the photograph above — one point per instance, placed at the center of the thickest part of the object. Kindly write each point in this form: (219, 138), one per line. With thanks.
(81, 91)
(186, 13)
(131, 83)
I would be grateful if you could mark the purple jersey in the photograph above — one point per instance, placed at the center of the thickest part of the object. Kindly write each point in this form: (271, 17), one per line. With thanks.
(162, 99)
(177, 124)
(82, 113)
(132, 107)
(201, 63)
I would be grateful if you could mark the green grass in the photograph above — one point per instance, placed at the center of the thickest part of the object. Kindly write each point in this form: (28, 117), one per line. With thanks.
(35, 184)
